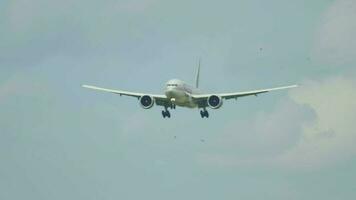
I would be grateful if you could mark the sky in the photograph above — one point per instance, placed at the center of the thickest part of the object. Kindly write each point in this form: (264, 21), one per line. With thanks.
(60, 141)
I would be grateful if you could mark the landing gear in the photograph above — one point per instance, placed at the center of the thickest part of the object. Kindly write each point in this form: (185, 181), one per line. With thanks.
(166, 113)
(204, 113)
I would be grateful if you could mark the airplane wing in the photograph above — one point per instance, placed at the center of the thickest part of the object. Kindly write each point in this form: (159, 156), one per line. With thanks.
(235, 95)
(161, 100)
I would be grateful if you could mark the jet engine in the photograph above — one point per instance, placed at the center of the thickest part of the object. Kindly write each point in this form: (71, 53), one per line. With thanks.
(147, 102)
(215, 101)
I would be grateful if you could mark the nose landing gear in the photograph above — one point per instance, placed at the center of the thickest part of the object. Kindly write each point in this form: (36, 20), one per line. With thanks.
(204, 113)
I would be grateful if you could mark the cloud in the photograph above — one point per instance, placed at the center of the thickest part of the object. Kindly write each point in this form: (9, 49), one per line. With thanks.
(332, 136)
(268, 134)
(24, 15)
(313, 128)
(335, 39)
(34, 30)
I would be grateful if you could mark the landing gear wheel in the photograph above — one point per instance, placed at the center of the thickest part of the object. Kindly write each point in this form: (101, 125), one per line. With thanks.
(204, 113)
(166, 114)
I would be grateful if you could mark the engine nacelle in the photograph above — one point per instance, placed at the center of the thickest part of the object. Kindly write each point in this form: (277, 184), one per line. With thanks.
(147, 102)
(215, 101)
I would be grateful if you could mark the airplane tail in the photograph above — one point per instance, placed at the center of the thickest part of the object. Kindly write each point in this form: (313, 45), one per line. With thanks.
(198, 75)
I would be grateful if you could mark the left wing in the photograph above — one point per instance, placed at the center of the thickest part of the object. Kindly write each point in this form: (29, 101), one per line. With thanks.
(235, 95)
(159, 99)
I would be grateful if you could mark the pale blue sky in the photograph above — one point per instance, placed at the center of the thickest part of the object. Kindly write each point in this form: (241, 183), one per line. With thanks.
(59, 141)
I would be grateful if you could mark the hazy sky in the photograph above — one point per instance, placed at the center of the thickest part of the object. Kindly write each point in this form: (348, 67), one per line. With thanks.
(59, 141)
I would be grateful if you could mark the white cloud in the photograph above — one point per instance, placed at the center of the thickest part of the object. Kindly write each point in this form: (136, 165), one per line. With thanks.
(268, 134)
(336, 36)
(315, 128)
(35, 30)
(26, 15)
(332, 136)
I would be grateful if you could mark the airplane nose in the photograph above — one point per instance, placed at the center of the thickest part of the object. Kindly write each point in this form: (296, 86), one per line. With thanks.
(169, 92)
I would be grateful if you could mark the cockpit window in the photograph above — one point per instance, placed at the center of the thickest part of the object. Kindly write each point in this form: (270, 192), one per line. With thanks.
(174, 85)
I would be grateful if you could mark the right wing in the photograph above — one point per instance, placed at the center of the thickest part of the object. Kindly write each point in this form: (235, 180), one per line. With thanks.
(160, 100)
(201, 99)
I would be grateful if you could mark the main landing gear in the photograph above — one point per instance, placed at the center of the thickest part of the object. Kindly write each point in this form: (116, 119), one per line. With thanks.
(204, 113)
(166, 113)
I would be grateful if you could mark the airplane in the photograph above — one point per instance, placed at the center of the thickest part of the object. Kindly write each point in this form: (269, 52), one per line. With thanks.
(179, 93)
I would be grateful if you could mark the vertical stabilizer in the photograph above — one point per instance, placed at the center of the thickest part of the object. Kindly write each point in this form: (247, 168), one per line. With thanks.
(198, 75)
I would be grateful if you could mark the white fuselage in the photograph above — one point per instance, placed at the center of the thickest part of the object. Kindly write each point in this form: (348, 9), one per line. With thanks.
(179, 93)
